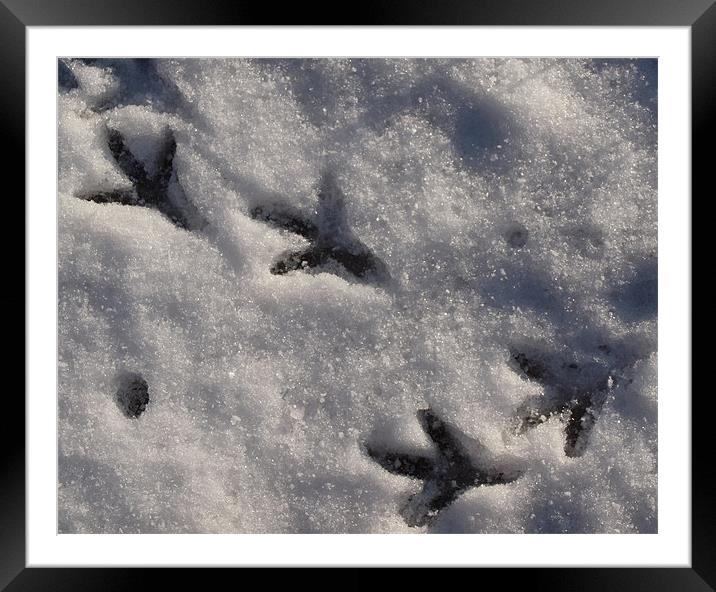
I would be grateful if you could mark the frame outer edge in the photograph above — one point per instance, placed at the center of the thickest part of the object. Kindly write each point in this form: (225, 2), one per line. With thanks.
(703, 88)
(371, 12)
(12, 300)
(12, 103)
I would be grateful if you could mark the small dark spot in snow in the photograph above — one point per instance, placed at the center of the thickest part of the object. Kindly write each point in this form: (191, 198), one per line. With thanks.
(588, 241)
(516, 235)
(132, 394)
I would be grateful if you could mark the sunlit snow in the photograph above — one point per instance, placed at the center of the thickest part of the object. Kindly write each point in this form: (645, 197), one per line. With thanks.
(315, 252)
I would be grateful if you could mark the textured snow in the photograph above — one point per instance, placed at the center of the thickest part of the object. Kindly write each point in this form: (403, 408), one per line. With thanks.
(513, 204)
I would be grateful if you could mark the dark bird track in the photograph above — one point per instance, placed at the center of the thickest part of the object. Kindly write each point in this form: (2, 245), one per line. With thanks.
(327, 232)
(445, 477)
(148, 191)
(578, 406)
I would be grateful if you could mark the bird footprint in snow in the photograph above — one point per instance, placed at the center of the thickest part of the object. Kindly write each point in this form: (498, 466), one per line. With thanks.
(445, 476)
(330, 238)
(571, 391)
(152, 191)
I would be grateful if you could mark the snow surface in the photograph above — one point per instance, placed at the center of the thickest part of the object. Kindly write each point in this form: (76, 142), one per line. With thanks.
(513, 205)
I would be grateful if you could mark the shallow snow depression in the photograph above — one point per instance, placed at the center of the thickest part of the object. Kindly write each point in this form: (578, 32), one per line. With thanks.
(357, 295)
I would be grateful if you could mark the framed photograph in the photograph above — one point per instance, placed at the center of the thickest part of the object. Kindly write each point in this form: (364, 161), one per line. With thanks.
(311, 295)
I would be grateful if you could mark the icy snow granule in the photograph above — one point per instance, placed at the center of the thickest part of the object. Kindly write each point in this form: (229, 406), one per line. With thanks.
(331, 246)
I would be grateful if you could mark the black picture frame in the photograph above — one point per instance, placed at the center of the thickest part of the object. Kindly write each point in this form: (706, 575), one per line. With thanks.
(16, 15)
